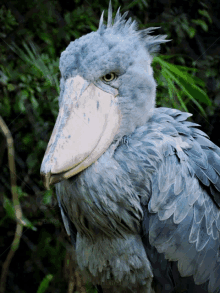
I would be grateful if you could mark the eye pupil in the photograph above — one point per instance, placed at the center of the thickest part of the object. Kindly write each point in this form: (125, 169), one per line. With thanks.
(109, 77)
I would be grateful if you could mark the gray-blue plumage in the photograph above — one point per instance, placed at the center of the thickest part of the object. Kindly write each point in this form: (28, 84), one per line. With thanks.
(149, 206)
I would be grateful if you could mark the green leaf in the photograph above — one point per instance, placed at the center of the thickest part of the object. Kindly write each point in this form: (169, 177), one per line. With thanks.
(205, 13)
(186, 88)
(3, 77)
(187, 82)
(191, 32)
(90, 288)
(172, 86)
(5, 106)
(185, 68)
(31, 161)
(44, 284)
(27, 139)
(10, 211)
(201, 23)
(34, 102)
(9, 208)
(21, 193)
(10, 87)
(47, 197)
(28, 223)
(174, 69)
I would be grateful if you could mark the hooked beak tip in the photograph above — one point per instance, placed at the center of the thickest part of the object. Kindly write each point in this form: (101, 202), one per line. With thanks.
(51, 179)
(46, 180)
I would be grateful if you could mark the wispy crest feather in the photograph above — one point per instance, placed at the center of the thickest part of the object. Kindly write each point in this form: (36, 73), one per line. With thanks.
(130, 27)
(109, 23)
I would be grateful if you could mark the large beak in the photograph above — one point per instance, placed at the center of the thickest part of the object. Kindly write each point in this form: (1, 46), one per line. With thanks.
(87, 122)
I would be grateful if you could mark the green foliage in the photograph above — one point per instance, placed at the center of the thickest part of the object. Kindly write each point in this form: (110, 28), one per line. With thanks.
(10, 211)
(7, 21)
(9, 208)
(90, 288)
(47, 197)
(190, 85)
(41, 65)
(44, 284)
(184, 25)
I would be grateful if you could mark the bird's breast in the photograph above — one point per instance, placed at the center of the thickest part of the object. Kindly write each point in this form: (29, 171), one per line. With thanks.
(100, 200)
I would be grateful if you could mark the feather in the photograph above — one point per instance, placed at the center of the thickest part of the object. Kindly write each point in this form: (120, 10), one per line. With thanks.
(203, 237)
(193, 237)
(101, 20)
(202, 274)
(109, 23)
(145, 32)
(117, 16)
(182, 116)
(190, 124)
(214, 283)
(199, 212)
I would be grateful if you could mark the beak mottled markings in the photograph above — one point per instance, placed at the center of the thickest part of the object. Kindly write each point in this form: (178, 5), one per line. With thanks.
(87, 122)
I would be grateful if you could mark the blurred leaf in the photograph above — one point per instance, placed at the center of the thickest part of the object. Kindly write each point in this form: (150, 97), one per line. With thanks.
(9, 208)
(44, 284)
(192, 32)
(33, 58)
(201, 23)
(21, 193)
(172, 88)
(3, 77)
(32, 160)
(29, 224)
(205, 13)
(47, 197)
(34, 102)
(10, 87)
(90, 288)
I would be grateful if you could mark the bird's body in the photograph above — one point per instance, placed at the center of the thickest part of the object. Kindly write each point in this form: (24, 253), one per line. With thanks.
(142, 208)
(149, 177)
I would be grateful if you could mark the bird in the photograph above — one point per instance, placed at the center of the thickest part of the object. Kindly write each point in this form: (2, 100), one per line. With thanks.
(138, 186)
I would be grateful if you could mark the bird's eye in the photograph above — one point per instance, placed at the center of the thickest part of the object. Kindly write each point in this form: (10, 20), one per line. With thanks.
(109, 77)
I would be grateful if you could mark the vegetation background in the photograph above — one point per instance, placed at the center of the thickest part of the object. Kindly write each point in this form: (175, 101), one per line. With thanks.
(36, 254)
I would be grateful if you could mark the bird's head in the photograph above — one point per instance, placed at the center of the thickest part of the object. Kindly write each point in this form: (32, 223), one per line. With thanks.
(107, 89)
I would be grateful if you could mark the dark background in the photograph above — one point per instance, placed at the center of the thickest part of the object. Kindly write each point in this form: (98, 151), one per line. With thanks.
(32, 36)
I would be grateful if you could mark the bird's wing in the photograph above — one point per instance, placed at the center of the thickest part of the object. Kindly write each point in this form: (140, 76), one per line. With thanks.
(183, 218)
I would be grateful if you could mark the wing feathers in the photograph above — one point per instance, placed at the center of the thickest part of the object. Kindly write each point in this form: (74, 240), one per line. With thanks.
(203, 237)
(184, 219)
(193, 236)
(199, 212)
(214, 283)
(202, 273)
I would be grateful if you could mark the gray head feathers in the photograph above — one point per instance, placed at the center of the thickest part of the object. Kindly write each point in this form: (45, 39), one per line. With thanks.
(112, 47)
(120, 26)
(120, 48)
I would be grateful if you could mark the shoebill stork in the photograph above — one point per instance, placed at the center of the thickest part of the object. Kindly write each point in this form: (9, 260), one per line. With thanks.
(138, 186)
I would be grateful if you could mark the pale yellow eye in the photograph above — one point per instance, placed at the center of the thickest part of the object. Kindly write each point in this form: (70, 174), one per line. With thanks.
(109, 77)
